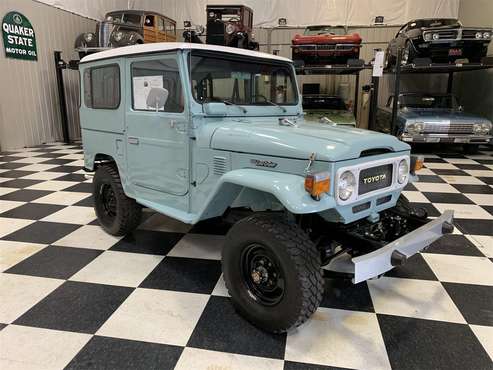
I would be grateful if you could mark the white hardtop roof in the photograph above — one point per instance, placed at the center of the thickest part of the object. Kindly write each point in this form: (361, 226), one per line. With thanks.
(166, 46)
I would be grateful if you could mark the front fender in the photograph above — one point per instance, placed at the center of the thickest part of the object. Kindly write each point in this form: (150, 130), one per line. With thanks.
(288, 189)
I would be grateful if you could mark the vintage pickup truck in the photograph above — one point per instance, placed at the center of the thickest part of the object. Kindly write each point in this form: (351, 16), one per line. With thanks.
(199, 131)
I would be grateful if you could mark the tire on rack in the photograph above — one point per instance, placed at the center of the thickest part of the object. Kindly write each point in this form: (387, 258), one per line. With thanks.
(117, 213)
(272, 271)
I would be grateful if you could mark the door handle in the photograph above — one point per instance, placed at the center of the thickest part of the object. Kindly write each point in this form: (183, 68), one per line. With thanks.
(133, 140)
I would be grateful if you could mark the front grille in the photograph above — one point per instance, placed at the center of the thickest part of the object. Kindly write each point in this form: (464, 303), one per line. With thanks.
(375, 178)
(469, 34)
(105, 29)
(324, 47)
(447, 34)
(452, 128)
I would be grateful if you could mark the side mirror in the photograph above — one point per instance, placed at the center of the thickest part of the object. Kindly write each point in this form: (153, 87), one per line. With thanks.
(157, 98)
(215, 109)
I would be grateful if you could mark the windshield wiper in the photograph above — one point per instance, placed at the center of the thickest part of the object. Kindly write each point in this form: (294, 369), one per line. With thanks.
(227, 102)
(276, 105)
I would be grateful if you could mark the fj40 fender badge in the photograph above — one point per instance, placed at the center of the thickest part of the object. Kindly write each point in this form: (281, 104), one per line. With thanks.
(263, 163)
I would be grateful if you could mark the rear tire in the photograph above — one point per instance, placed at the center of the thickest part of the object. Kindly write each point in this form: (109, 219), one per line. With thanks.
(117, 213)
(273, 272)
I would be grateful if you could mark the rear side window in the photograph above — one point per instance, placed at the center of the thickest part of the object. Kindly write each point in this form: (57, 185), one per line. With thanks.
(102, 87)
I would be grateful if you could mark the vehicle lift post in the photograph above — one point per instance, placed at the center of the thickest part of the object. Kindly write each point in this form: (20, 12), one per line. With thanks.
(397, 87)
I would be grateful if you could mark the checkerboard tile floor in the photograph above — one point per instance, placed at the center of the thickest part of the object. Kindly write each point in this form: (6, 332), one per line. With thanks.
(72, 296)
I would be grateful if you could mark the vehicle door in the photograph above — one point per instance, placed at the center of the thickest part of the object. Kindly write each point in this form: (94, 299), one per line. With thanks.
(156, 135)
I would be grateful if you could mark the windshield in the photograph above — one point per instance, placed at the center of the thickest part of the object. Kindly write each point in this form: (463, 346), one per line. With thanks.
(433, 23)
(124, 18)
(428, 102)
(328, 102)
(323, 30)
(232, 80)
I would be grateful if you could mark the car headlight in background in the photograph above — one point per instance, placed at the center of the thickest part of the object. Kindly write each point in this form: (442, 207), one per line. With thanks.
(118, 36)
(402, 171)
(230, 28)
(427, 37)
(479, 35)
(486, 35)
(346, 185)
(482, 128)
(88, 36)
(415, 128)
(436, 36)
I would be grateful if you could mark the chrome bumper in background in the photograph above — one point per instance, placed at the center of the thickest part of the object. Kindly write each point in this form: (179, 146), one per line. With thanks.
(446, 138)
(395, 253)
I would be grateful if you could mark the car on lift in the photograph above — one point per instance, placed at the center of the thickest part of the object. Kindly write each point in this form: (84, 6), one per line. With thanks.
(227, 25)
(435, 118)
(325, 45)
(443, 40)
(124, 28)
(198, 132)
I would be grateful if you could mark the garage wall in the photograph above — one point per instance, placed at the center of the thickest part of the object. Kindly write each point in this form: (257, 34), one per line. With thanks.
(475, 89)
(29, 107)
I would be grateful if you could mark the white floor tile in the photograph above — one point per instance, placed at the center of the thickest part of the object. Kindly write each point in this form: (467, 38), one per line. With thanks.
(89, 236)
(27, 348)
(118, 268)
(73, 215)
(461, 269)
(460, 160)
(199, 246)
(480, 173)
(159, 316)
(421, 299)
(465, 180)
(18, 293)
(66, 198)
(465, 210)
(441, 166)
(5, 205)
(45, 176)
(481, 199)
(220, 288)
(52, 185)
(4, 179)
(4, 191)
(341, 338)
(11, 253)
(434, 187)
(485, 337)
(415, 197)
(9, 225)
(39, 167)
(200, 359)
(484, 243)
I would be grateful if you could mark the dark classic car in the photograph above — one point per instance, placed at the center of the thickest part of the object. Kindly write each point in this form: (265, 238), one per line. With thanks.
(442, 40)
(434, 118)
(325, 45)
(126, 27)
(227, 25)
(329, 109)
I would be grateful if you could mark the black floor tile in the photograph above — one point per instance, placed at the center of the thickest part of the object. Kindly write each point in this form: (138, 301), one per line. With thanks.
(12, 165)
(216, 226)
(86, 202)
(76, 306)
(32, 211)
(149, 242)
(52, 155)
(5, 157)
(474, 226)
(446, 172)
(64, 168)
(55, 262)
(434, 160)
(410, 187)
(475, 302)
(19, 183)
(482, 161)
(2, 326)
(455, 198)
(42, 232)
(343, 294)
(486, 180)
(473, 189)
(25, 195)
(415, 268)
(113, 353)
(468, 166)
(289, 365)
(431, 178)
(76, 177)
(218, 329)
(83, 187)
(13, 174)
(184, 274)
(428, 207)
(57, 161)
(428, 344)
(488, 209)
(454, 244)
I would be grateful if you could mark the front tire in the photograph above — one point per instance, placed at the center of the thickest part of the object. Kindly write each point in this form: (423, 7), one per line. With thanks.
(273, 272)
(117, 213)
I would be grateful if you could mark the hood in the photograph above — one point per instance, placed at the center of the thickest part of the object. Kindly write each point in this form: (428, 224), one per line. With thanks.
(438, 115)
(330, 143)
(335, 115)
(326, 39)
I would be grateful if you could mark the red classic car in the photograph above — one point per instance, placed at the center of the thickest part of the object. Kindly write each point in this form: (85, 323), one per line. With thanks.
(325, 45)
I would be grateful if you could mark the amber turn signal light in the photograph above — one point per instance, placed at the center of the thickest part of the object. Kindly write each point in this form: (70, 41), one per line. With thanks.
(317, 183)
(417, 162)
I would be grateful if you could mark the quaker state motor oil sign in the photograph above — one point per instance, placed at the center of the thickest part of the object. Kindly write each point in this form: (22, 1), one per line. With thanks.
(19, 39)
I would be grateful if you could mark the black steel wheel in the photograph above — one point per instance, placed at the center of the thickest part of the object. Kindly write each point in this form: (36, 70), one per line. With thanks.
(272, 271)
(117, 213)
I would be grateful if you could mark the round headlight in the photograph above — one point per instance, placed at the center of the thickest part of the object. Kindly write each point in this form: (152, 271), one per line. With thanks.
(118, 36)
(478, 35)
(427, 36)
(415, 128)
(88, 37)
(346, 185)
(481, 128)
(436, 36)
(402, 171)
(486, 35)
(230, 28)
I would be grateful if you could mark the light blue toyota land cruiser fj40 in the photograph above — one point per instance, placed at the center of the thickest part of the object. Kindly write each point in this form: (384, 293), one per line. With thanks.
(199, 131)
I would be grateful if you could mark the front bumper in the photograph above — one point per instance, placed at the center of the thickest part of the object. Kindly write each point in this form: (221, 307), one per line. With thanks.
(446, 138)
(384, 259)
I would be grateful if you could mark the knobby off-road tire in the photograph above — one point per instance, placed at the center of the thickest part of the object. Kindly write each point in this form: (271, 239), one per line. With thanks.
(293, 256)
(117, 213)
